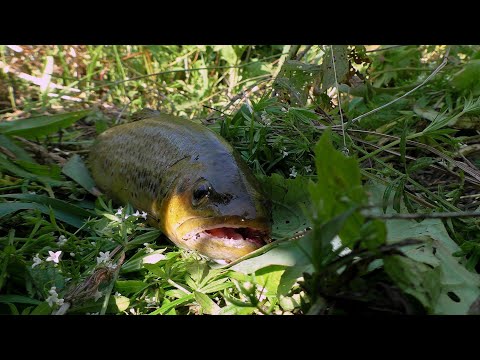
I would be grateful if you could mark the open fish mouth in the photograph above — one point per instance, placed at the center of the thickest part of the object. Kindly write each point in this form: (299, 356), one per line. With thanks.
(231, 236)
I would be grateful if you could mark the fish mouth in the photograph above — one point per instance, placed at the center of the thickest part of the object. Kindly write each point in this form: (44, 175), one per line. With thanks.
(231, 235)
(226, 242)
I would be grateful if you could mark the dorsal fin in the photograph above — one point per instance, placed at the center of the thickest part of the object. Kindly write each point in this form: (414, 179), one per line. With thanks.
(144, 114)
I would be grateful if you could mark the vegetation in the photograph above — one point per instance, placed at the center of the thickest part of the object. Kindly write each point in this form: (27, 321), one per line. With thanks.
(370, 155)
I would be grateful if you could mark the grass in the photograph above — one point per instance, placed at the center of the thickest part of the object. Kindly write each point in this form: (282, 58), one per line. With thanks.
(279, 107)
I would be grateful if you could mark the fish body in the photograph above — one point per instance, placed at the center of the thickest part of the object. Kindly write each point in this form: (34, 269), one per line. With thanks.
(189, 180)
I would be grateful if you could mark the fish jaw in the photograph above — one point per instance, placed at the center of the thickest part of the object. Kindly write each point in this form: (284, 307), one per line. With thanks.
(220, 239)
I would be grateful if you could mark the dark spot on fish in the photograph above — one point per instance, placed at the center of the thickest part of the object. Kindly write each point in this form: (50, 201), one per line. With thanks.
(287, 221)
(197, 157)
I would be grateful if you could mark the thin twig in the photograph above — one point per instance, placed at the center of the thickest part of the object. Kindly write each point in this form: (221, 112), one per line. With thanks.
(440, 67)
(338, 99)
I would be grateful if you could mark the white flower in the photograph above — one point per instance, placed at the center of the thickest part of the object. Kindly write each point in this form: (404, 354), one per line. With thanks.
(36, 261)
(284, 153)
(118, 294)
(61, 240)
(72, 254)
(151, 301)
(293, 172)
(144, 215)
(148, 249)
(53, 298)
(119, 211)
(111, 266)
(136, 213)
(104, 257)
(93, 313)
(153, 259)
(54, 256)
(308, 168)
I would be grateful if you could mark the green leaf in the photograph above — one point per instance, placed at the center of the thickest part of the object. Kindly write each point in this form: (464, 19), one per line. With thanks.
(9, 166)
(127, 287)
(19, 152)
(290, 204)
(288, 253)
(39, 126)
(76, 170)
(207, 304)
(415, 278)
(467, 78)
(340, 53)
(71, 214)
(269, 278)
(18, 299)
(42, 309)
(233, 309)
(338, 189)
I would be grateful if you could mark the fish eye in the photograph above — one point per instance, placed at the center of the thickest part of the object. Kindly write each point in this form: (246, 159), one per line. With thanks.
(202, 191)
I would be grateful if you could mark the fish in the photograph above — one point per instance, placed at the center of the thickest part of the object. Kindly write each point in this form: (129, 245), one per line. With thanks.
(193, 185)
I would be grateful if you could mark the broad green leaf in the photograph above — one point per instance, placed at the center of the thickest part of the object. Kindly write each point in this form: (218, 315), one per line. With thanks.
(468, 78)
(18, 299)
(269, 278)
(39, 126)
(288, 253)
(290, 204)
(76, 170)
(415, 278)
(127, 287)
(338, 189)
(340, 53)
(42, 309)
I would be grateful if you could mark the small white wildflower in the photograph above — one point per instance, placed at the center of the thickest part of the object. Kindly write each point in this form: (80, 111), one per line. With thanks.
(72, 254)
(284, 152)
(118, 294)
(61, 240)
(144, 215)
(151, 301)
(36, 261)
(68, 279)
(104, 257)
(132, 310)
(148, 249)
(93, 313)
(32, 192)
(283, 109)
(293, 172)
(92, 242)
(119, 211)
(111, 266)
(308, 168)
(136, 213)
(53, 298)
(266, 120)
(54, 256)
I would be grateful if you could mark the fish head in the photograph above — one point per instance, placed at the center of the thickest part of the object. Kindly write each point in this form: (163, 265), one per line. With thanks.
(217, 209)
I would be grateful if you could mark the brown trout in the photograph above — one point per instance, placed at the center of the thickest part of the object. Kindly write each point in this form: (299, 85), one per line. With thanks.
(192, 184)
